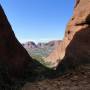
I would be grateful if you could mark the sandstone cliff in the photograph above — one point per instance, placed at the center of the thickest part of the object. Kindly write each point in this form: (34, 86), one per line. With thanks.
(76, 43)
(13, 57)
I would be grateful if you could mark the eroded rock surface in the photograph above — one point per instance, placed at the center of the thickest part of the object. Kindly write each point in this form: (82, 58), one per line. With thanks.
(76, 43)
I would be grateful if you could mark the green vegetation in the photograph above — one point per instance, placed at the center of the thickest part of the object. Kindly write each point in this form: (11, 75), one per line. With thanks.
(39, 53)
(41, 60)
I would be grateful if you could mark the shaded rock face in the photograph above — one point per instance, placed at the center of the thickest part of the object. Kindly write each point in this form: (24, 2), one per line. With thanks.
(76, 43)
(12, 55)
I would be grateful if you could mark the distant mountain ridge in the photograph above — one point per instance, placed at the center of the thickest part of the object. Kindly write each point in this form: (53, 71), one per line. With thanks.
(41, 50)
(29, 44)
(32, 45)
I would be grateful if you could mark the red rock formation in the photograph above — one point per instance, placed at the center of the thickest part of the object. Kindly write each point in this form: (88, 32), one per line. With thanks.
(12, 55)
(30, 45)
(52, 43)
(76, 41)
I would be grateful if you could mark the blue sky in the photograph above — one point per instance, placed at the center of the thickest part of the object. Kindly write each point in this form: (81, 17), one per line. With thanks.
(38, 20)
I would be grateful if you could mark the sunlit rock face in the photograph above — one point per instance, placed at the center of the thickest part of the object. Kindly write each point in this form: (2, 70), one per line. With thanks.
(76, 42)
(13, 56)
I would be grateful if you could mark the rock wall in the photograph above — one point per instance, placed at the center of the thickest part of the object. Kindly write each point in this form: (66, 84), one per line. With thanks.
(76, 42)
(13, 57)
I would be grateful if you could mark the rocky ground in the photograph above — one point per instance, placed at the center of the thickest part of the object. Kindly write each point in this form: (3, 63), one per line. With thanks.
(41, 78)
(78, 79)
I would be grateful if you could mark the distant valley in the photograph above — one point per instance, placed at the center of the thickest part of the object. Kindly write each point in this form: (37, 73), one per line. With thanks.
(40, 50)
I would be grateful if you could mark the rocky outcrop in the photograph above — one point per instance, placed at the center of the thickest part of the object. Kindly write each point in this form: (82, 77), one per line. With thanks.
(42, 49)
(13, 57)
(76, 43)
(30, 44)
(53, 43)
